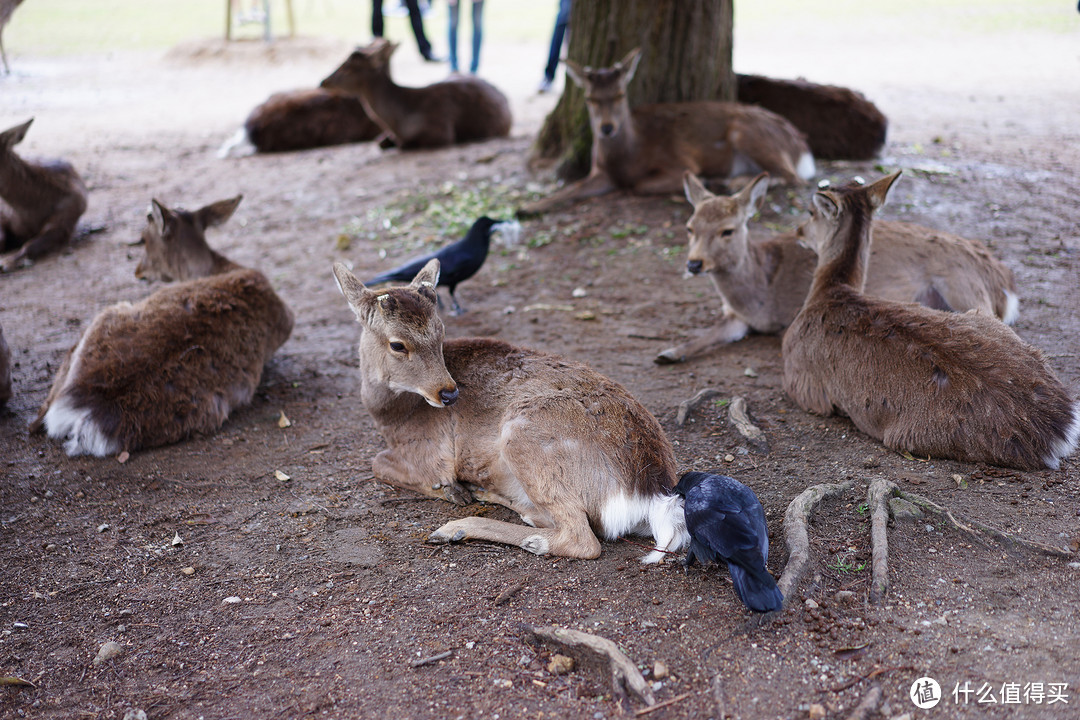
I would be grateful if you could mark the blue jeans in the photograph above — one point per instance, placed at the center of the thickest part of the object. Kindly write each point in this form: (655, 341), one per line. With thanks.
(477, 33)
(561, 22)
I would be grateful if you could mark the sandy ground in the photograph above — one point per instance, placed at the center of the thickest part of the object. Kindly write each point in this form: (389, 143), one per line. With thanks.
(338, 593)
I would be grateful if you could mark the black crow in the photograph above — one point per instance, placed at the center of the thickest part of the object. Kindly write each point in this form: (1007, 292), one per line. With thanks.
(726, 522)
(459, 260)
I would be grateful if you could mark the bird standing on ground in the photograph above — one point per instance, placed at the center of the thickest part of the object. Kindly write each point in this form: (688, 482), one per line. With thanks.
(726, 522)
(460, 260)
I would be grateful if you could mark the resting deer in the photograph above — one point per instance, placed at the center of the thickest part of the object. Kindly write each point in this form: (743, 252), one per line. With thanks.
(302, 119)
(763, 282)
(960, 386)
(646, 150)
(44, 202)
(569, 450)
(5, 370)
(457, 110)
(177, 362)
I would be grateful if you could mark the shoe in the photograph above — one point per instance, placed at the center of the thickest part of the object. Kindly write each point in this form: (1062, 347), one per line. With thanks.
(433, 58)
(545, 85)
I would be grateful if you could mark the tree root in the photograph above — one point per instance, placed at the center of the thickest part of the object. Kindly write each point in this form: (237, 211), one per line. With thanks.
(740, 418)
(594, 650)
(877, 498)
(688, 406)
(795, 533)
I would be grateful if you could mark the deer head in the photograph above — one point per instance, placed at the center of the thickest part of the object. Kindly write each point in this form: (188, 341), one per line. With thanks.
(605, 92)
(175, 241)
(362, 66)
(836, 209)
(718, 228)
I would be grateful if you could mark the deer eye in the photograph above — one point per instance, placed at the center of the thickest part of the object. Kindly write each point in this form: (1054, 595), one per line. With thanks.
(397, 347)
(726, 232)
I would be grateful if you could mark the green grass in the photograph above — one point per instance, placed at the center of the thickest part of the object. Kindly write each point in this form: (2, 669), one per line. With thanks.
(77, 27)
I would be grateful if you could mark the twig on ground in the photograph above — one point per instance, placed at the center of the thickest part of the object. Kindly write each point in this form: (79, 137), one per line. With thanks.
(431, 659)
(508, 593)
(877, 497)
(740, 418)
(688, 406)
(657, 706)
(795, 532)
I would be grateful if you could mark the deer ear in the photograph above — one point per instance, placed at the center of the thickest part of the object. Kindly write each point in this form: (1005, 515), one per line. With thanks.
(752, 196)
(13, 136)
(826, 204)
(575, 72)
(428, 277)
(216, 213)
(162, 218)
(629, 65)
(696, 192)
(358, 296)
(878, 192)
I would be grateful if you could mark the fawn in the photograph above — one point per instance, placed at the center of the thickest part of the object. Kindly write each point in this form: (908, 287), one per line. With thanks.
(763, 282)
(44, 202)
(177, 362)
(457, 110)
(950, 385)
(646, 150)
(570, 451)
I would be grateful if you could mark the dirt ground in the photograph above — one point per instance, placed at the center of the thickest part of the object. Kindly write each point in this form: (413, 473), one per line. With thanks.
(313, 596)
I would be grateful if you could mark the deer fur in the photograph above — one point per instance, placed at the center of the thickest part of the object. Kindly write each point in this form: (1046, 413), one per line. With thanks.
(763, 282)
(459, 109)
(572, 452)
(646, 150)
(5, 370)
(303, 119)
(947, 385)
(42, 202)
(177, 362)
(839, 124)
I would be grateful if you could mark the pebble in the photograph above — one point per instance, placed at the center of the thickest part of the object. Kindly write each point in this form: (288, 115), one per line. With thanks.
(817, 711)
(107, 652)
(560, 664)
(810, 604)
(188, 570)
(231, 600)
(135, 714)
(660, 670)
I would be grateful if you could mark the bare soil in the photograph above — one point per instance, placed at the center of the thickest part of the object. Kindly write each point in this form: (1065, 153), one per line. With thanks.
(335, 593)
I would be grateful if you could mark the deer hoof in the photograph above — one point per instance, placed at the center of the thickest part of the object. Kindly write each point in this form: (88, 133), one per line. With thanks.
(670, 356)
(446, 534)
(536, 544)
(457, 494)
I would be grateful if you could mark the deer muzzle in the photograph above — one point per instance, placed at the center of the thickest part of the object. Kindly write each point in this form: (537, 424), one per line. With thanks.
(448, 397)
(693, 266)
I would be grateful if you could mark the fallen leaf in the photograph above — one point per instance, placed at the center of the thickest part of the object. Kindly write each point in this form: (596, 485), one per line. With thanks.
(15, 681)
(281, 476)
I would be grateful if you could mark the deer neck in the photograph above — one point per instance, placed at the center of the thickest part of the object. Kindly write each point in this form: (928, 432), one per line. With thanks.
(742, 271)
(380, 97)
(20, 185)
(220, 264)
(843, 258)
(618, 152)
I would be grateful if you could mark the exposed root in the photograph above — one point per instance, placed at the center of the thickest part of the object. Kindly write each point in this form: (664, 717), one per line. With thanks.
(688, 406)
(795, 533)
(594, 650)
(877, 498)
(740, 418)
(868, 705)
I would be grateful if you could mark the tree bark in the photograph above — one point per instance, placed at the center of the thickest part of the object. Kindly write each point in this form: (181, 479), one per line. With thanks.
(686, 55)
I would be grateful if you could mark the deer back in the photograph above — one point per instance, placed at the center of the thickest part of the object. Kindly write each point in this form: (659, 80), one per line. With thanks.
(309, 118)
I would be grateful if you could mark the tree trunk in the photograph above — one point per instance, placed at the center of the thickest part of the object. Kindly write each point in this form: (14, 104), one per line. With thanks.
(686, 55)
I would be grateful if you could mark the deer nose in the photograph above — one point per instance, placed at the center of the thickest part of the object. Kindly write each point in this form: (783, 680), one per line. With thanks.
(694, 266)
(607, 128)
(448, 397)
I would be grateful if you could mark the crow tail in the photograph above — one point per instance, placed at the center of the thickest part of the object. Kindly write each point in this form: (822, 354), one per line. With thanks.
(756, 588)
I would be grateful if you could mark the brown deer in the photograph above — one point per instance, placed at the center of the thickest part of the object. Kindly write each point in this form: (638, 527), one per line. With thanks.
(177, 362)
(572, 452)
(5, 370)
(303, 119)
(763, 281)
(44, 201)
(646, 150)
(457, 110)
(949, 385)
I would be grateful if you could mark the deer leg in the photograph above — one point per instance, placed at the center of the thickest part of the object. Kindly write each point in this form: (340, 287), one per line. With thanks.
(389, 467)
(729, 329)
(593, 185)
(664, 182)
(571, 536)
(51, 238)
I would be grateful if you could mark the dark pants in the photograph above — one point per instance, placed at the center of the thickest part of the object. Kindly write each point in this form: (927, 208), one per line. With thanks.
(415, 19)
(561, 21)
(477, 34)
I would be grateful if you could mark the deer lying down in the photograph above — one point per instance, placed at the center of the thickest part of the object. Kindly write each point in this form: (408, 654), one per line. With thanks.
(457, 110)
(176, 363)
(300, 120)
(5, 370)
(646, 150)
(566, 448)
(960, 386)
(44, 200)
(763, 282)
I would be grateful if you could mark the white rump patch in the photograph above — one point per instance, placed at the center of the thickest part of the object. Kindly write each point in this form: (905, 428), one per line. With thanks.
(660, 516)
(806, 168)
(1067, 445)
(239, 145)
(81, 435)
(1012, 308)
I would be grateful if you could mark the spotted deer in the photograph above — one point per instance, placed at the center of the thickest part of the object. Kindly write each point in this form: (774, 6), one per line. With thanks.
(461, 109)
(570, 451)
(646, 150)
(44, 200)
(176, 363)
(763, 282)
(948, 385)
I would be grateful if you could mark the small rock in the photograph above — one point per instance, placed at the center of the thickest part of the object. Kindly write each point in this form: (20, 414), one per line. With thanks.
(103, 527)
(231, 600)
(817, 711)
(107, 652)
(177, 540)
(750, 372)
(504, 683)
(903, 510)
(580, 292)
(509, 310)
(660, 670)
(135, 714)
(845, 597)
(50, 547)
(188, 570)
(281, 476)
(810, 604)
(560, 664)
(870, 462)
(729, 458)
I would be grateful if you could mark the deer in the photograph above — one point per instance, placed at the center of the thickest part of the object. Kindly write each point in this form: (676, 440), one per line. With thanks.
(646, 150)
(460, 109)
(5, 370)
(960, 386)
(569, 450)
(301, 120)
(179, 361)
(44, 201)
(762, 282)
